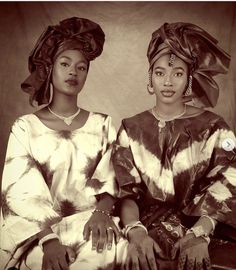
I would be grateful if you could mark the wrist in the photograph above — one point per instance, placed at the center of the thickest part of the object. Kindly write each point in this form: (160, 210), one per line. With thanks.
(47, 238)
(135, 233)
(134, 225)
(103, 212)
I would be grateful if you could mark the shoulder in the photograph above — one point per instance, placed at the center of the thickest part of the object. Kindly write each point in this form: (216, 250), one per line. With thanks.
(138, 119)
(99, 117)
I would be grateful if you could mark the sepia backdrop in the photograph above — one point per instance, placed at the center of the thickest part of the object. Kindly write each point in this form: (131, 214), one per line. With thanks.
(117, 80)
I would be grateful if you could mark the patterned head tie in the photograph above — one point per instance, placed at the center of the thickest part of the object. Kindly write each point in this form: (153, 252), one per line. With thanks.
(198, 49)
(72, 33)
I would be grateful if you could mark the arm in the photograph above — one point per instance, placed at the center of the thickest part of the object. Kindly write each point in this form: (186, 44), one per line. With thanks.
(100, 224)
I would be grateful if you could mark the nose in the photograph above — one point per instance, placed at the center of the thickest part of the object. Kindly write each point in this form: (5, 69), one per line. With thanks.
(73, 71)
(167, 81)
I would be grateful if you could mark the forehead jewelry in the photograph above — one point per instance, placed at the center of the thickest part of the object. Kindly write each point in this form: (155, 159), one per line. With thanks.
(67, 120)
(172, 59)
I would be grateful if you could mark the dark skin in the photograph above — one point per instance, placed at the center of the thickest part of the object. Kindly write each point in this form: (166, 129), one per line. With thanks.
(51, 122)
(71, 64)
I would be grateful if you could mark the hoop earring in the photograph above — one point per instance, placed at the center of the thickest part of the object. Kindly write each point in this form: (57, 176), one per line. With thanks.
(188, 91)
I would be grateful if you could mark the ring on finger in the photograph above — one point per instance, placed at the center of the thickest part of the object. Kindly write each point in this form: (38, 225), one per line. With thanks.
(109, 228)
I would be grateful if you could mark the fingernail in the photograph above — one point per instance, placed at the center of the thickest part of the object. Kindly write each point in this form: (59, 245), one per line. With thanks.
(93, 247)
(100, 250)
(109, 246)
(72, 259)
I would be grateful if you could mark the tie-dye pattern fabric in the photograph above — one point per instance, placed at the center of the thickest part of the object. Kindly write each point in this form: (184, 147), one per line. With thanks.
(186, 165)
(51, 178)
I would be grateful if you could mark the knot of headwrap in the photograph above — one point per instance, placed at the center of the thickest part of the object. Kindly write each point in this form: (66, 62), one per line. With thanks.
(71, 33)
(198, 49)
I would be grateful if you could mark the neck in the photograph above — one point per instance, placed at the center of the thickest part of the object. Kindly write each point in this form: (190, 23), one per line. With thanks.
(167, 110)
(64, 105)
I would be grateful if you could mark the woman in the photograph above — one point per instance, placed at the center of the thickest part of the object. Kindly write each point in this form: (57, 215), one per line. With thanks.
(176, 163)
(57, 165)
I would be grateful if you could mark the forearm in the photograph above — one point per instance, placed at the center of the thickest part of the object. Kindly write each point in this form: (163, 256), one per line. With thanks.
(129, 211)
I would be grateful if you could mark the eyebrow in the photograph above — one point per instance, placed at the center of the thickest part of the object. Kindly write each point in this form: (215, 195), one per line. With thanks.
(64, 56)
(162, 68)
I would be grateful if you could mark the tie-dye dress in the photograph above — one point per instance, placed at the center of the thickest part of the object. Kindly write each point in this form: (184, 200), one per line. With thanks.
(51, 178)
(177, 173)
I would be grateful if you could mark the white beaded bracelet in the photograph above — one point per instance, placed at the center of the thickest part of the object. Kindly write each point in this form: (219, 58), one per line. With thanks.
(46, 238)
(132, 225)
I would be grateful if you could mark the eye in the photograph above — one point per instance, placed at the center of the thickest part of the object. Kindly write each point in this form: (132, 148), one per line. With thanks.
(82, 68)
(159, 73)
(64, 64)
(178, 74)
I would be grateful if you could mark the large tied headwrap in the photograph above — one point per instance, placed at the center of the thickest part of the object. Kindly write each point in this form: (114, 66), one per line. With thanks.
(198, 49)
(72, 33)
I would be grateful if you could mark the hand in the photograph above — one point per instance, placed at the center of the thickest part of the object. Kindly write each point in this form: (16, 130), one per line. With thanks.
(57, 256)
(103, 228)
(193, 253)
(141, 251)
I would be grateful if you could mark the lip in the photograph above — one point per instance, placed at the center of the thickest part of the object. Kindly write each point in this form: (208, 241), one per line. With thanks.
(168, 93)
(72, 82)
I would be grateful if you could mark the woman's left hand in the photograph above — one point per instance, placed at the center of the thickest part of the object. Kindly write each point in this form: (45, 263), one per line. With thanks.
(193, 253)
(103, 229)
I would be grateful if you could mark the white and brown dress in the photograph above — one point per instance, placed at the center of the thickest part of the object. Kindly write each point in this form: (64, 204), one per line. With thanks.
(52, 178)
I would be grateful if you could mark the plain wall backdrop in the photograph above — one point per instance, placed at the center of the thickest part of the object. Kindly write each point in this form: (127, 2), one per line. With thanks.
(117, 80)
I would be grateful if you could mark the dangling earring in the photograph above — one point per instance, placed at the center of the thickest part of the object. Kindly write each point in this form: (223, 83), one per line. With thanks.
(188, 91)
(51, 92)
(149, 86)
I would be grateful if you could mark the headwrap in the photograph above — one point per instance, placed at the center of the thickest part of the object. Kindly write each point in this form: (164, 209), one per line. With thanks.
(71, 33)
(198, 49)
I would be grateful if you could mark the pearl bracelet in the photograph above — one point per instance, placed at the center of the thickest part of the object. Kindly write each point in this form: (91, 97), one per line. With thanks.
(102, 212)
(46, 238)
(132, 225)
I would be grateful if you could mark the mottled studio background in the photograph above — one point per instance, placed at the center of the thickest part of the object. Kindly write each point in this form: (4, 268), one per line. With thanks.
(117, 80)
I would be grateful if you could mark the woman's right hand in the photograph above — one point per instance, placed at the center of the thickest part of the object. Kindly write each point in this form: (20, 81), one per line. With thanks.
(141, 251)
(57, 256)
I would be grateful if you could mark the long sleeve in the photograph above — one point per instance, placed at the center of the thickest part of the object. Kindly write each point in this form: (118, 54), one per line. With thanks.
(217, 194)
(127, 175)
(27, 206)
(103, 178)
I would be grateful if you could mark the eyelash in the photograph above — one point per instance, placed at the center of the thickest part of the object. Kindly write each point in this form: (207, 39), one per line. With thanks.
(79, 68)
(178, 74)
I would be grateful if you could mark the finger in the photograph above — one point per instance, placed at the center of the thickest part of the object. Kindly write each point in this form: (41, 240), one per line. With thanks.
(127, 264)
(135, 264)
(207, 263)
(143, 262)
(190, 264)
(109, 237)
(181, 262)
(86, 232)
(101, 240)
(177, 245)
(46, 266)
(55, 265)
(70, 254)
(63, 264)
(156, 247)
(151, 260)
(94, 238)
(116, 233)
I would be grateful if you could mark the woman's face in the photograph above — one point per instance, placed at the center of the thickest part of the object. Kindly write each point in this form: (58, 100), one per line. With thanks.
(169, 82)
(69, 72)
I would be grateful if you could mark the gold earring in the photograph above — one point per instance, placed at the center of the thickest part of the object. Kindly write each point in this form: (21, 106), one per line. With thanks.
(150, 89)
(188, 91)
